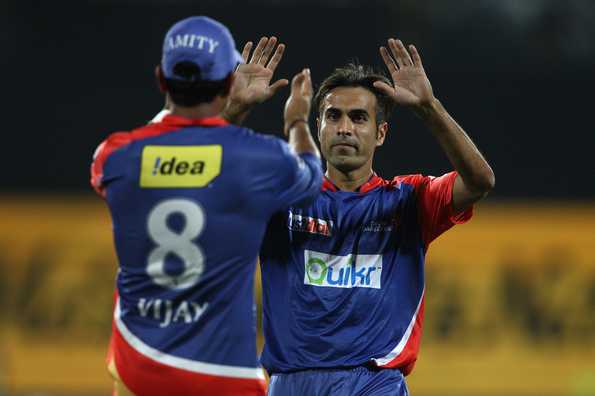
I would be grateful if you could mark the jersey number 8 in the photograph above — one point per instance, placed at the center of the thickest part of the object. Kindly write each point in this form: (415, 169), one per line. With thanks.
(180, 244)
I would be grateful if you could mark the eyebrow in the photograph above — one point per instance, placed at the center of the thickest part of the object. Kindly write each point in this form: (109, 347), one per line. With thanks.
(349, 112)
(358, 112)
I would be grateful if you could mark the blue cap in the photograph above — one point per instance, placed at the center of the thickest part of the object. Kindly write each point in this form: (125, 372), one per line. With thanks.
(204, 42)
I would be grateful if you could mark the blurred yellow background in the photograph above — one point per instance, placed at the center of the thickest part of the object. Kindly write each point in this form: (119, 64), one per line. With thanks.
(510, 303)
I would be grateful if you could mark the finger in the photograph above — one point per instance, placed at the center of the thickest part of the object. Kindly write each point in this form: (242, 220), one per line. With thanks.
(258, 50)
(307, 84)
(405, 57)
(246, 51)
(385, 88)
(416, 57)
(268, 49)
(296, 82)
(276, 57)
(388, 61)
(277, 85)
(396, 53)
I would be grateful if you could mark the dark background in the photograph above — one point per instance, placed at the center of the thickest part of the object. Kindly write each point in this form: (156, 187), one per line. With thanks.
(518, 75)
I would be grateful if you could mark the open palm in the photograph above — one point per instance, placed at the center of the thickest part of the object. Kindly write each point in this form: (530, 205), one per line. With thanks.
(411, 85)
(252, 84)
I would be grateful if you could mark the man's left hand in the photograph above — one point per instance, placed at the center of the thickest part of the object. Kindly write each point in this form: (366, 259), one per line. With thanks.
(411, 85)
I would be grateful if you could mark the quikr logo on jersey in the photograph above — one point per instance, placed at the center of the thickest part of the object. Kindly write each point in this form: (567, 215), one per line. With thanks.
(180, 166)
(327, 270)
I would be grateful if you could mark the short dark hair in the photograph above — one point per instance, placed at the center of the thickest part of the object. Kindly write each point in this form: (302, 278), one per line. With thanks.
(356, 75)
(193, 91)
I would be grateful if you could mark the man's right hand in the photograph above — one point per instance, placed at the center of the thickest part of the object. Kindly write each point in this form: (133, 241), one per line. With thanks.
(297, 111)
(297, 107)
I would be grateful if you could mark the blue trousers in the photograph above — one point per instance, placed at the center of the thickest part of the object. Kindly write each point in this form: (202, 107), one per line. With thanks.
(358, 381)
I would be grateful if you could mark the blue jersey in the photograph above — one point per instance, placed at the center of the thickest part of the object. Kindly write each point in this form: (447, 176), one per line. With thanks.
(190, 200)
(343, 278)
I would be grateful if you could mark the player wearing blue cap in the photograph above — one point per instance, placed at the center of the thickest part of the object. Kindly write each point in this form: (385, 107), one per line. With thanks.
(190, 196)
(343, 277)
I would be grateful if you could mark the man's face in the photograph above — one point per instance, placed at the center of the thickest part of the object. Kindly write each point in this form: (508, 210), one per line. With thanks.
(347, 128)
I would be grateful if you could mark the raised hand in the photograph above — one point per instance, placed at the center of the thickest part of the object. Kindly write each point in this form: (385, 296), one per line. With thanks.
(297, 106)
(252, 83)
(411, 85)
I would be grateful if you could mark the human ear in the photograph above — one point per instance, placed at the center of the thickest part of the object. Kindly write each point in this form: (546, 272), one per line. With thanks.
(381, 132)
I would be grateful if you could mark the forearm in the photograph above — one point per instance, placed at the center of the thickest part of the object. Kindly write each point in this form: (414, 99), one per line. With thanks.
(474, 170)
(300, 138)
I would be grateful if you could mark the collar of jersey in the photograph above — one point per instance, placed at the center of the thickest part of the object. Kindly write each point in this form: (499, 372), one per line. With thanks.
(175, 120)
(372, 183)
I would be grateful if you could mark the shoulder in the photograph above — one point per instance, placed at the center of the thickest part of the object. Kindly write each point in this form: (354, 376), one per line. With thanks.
(108, 146)
(420, 182)
(120, 139)
(426, 184)
(415, 180)
(112, 143)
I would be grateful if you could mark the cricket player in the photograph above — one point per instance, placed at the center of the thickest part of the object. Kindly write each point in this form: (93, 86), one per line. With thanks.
(190, 196)
(343, 277)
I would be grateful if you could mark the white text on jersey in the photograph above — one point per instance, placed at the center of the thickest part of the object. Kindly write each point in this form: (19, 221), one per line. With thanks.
(167, 313)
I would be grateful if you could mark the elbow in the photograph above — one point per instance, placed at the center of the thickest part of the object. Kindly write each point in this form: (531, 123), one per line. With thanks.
(485, 182)
(493, 181)
(490, 180)
(481, 183)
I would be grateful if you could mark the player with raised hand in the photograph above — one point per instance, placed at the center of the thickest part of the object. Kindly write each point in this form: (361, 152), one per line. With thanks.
(413, 89)
(343, 277)
(252, 80)
(190, 195)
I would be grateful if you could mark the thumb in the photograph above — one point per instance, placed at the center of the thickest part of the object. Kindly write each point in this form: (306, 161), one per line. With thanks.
(297, 81)
(277, 85)
(385, 88)
(307, 84)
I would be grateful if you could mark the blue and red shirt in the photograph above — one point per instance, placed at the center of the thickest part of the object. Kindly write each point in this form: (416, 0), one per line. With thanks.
(190, 200)
(343, 277)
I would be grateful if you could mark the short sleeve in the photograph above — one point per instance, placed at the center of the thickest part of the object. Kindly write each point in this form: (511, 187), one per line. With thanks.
(434, 202)
(103, 151)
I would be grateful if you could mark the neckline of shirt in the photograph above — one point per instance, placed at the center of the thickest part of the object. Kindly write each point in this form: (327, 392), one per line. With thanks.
(373, 182)
(175, 120)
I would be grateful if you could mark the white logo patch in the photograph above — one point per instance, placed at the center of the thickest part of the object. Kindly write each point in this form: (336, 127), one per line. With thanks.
(327, 270)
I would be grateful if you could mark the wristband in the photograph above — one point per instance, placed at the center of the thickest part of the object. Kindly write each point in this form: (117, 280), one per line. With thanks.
(293, 123)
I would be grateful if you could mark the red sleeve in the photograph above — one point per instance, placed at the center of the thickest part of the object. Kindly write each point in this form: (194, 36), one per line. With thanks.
(434, 200)
(103, 151)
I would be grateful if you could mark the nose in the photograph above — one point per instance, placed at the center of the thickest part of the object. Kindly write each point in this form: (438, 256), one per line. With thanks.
(345, 127)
